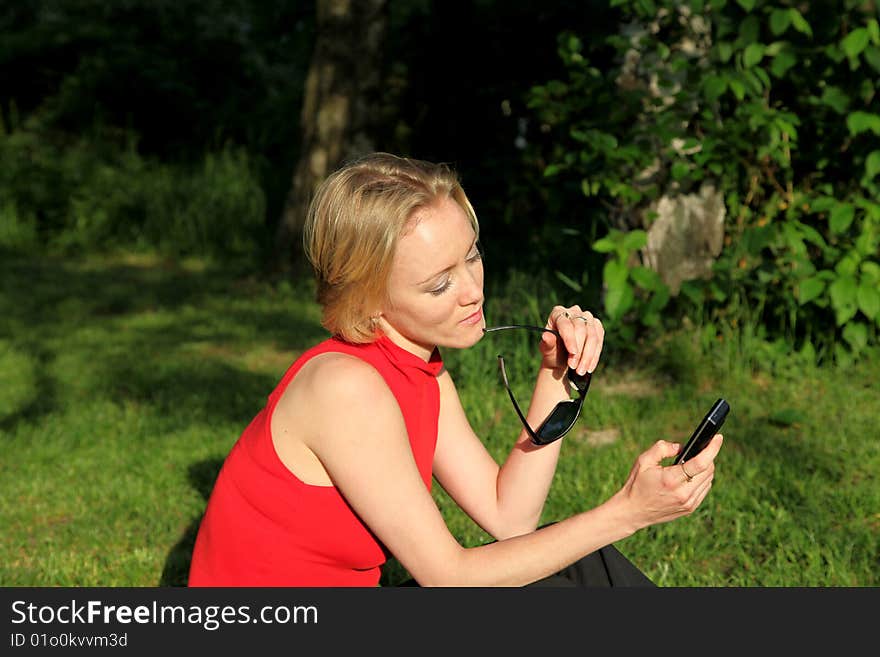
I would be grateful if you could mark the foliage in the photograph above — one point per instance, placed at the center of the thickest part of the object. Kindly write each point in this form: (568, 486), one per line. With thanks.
(772, 102)
(624, 280)
(775, 104)
(73, 195)
(185, 77)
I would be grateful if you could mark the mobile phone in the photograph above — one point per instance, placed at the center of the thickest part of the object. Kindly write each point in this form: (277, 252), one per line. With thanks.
(707, 428)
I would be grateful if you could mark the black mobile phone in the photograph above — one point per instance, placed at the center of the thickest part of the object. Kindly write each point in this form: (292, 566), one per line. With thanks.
(704, 431)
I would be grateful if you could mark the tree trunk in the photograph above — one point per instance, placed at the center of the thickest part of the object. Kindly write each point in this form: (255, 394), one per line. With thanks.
(339, 108)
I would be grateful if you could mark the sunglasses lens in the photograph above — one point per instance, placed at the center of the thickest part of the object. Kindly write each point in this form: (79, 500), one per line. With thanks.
(581, 382)
(563, 417)
(559, 421)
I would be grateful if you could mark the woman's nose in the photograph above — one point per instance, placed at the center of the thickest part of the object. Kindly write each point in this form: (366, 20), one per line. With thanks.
(472, 291)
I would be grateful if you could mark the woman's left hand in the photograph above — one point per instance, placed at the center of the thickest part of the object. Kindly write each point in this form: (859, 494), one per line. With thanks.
(582, 338)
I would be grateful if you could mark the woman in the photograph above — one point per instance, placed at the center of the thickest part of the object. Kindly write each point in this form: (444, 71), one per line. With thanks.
(334, 474)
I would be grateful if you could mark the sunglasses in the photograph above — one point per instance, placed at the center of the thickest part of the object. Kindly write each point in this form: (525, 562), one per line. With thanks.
(565, 414)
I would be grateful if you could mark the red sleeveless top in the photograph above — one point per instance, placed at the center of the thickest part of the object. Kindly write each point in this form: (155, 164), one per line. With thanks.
(265, 527)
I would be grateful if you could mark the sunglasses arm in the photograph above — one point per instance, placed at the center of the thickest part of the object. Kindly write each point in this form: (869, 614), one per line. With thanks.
(522, 418)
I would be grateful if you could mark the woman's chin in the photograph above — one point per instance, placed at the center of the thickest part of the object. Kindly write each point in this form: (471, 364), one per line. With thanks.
(465, 339)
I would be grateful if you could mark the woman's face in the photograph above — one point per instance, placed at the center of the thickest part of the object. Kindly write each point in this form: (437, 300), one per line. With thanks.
(435, 289)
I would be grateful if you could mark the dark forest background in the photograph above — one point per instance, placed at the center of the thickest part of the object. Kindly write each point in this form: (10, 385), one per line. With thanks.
(200, 128)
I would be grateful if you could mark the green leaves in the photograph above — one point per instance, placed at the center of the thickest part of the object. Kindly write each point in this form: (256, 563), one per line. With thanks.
(810, 289)
(777, 121)
(621, 243)
(619, 296)
(868, 299)
(842, 215)
(753, 54)
(872, 165)
(853, 288)
(782, 62)
(714, 86)
(629, 286)
(780, 19)
(859, 122)
(856, 334)
(873, 29)
(799, 22)
(855, 42)
(835, 98)
(738, 88)
(844, 299)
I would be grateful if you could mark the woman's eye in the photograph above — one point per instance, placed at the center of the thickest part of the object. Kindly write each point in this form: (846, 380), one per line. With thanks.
(473, 257)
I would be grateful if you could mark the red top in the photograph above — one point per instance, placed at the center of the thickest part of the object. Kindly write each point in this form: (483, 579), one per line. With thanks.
(265, 527)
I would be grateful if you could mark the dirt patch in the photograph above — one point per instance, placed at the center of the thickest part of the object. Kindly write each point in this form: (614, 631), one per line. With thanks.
(599, 437)
(631, 386)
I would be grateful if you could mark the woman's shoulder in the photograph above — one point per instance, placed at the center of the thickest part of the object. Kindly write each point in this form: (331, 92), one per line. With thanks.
(335, 398)
(337, 378)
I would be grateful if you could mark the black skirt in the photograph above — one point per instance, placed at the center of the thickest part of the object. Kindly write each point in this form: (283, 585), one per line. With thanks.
(603, 568)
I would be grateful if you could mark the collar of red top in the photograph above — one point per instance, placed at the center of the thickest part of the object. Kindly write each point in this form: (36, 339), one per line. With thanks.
(401, 356)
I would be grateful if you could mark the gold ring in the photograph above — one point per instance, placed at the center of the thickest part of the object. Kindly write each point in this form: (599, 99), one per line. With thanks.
(689, 476)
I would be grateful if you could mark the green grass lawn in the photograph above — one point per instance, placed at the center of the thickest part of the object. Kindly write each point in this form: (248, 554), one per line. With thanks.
(124, 382)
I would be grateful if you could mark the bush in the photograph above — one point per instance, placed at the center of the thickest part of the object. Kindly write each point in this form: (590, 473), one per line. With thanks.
(775, 104)
(95, 194)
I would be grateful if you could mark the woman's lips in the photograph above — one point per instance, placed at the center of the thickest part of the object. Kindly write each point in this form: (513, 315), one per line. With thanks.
(473, 319)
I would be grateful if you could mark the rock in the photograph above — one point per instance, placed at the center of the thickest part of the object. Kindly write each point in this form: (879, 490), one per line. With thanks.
(686, 237)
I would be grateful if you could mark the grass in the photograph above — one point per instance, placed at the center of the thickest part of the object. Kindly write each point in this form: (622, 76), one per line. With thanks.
(124, 381)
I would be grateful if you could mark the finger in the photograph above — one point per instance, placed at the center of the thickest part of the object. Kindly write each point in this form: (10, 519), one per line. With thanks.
(702, 460)
(692, 474)
(585, 336)
(599, 342)
(583, 347)
(575, 338)
(699, 494)
(595, 342)
(555, 313)
(660, 450)
(549, 339)
(702, 488)
(564, 322)
(687, 472)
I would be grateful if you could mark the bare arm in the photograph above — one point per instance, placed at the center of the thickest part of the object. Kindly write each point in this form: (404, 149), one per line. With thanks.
(366, 452)
(505, 501)
(508, 501)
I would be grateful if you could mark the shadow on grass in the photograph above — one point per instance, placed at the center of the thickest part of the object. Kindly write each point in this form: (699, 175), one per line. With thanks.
(202, 476)
(787, 457)
(156, 333)
(42, 399)
(180, 345)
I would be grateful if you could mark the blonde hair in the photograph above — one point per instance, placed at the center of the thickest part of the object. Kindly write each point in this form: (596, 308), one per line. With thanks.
(354, 222)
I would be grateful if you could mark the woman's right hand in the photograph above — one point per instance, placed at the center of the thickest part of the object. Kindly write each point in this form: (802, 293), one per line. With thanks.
(654, 493)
